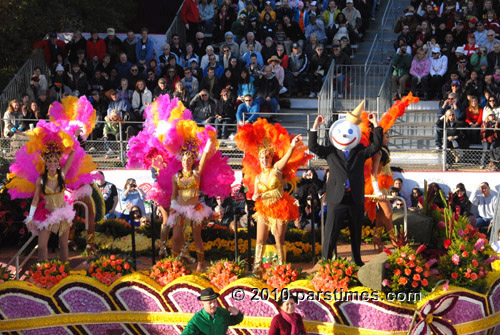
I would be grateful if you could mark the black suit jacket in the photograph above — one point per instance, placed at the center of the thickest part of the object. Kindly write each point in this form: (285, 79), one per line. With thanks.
(340, 169)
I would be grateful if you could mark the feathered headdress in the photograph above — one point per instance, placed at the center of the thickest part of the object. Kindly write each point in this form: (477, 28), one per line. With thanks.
(261, 135)
(72, 113)
(386, 122)
(167, 134)
(47, 139)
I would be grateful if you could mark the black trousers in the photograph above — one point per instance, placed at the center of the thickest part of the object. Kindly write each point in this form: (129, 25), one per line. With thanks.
(335, 220)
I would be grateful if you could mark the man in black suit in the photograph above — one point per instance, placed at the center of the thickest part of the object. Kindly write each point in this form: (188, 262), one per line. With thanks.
(346, 184)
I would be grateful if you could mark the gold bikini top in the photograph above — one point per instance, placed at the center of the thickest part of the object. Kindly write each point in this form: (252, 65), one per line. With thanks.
(273, 191)
(52, 192)
(187, 188)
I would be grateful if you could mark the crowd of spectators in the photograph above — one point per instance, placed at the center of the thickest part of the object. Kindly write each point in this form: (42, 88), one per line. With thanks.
(450, 51)
(442, 42)
(235, 51)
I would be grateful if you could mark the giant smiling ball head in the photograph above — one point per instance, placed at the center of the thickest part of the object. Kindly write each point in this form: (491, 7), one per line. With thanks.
(345, 134)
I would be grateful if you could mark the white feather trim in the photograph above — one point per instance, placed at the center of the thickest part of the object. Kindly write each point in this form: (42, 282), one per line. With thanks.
(189, 212)
(66, 213)
(83, 191)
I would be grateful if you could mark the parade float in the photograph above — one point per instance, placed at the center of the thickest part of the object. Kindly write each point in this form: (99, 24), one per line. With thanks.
(453, 289)
(448, 286)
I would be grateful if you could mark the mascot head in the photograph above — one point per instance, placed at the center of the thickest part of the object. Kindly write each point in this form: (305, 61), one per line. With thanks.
(345, 134)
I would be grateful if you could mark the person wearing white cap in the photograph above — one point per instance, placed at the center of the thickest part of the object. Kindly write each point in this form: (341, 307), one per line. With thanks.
(353, 16)
(439, 66)
(114, 45)
(239, 27)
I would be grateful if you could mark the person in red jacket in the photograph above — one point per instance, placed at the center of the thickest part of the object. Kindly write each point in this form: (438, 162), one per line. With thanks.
(287, 322)
(96, 47)
(51, 48)
(191, 16)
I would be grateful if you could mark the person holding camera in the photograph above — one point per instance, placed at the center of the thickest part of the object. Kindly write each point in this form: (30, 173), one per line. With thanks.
(132, 195)
(401, 63)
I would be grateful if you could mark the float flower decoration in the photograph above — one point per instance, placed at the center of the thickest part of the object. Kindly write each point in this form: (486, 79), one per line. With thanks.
(469, 257)
(279, 276)
(107, 269)
(47, 274)
(167, 270)
(28, 164)
(224, 272)
(5, 274)
(335, 274)
(169, 130)
(407, 271)
(113, 227)
(431, 321)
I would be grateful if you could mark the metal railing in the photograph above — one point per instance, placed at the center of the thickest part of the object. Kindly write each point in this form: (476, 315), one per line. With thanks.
(463, 155)
(384, 97)
(22, 79)
(177, 27)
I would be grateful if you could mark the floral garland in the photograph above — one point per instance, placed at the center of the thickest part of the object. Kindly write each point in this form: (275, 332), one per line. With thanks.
(167, 270)
(47, 274)
(107, 269)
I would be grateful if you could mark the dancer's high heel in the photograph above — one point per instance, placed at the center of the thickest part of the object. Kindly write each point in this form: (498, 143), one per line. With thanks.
(200, 267)
(257, 263)
(394, 239)
(377, 239)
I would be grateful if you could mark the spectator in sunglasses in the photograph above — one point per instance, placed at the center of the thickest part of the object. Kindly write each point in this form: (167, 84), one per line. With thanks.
(134, 217)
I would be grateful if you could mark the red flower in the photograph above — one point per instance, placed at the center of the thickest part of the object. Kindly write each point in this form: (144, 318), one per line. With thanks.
(473, 276)
(407, 272)
(403, 281)
(474, 262)
(447, 243)
(454, 275)
(414, 284)
(465, 254)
